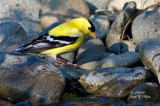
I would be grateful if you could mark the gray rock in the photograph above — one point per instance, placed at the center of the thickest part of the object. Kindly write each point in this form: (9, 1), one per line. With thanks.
(22, 11)
(101, 24)
(115, 31)
(117, 5)
(149, 51)
(113, 81)
(95, 4)
(90, 53)
(147, 92)
(25, 77)
(12, 35)
(61, 11)
(146, 25)
(123, 60)
(121, 47)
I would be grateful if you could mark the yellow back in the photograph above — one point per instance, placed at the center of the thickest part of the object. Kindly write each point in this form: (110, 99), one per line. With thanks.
(71, 28)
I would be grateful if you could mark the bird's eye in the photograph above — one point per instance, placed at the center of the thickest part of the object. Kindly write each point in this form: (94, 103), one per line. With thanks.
(89, 28)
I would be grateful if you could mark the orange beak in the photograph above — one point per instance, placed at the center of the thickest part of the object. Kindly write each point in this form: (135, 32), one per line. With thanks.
(93, 34)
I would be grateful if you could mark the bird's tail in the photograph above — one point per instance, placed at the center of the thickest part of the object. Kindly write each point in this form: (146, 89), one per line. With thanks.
(22, 48)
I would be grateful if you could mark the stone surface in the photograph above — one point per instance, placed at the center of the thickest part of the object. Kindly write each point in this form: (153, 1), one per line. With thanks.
(22, 11)
(25, 77)
(147, 92)
(127, 59)
(121, 47)
(149, 51)
(95, 4)
(12, 35)
(90, 53)
(115, 31)
(61, 11)
(101, 24)
(146, 25)
(113, 81)
(118, 4)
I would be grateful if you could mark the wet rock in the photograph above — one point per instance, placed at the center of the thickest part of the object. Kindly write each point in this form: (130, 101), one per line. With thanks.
(90, 53)
(149, 52)
(147, 92)
(24, 12)
(61, 11)
(4, 102)
(121, 47)
(101, 24)
(118, 5)
(114, 33)
(123, 60)
(146, 25)
(25, 77)
(12, 35)
(113, 81)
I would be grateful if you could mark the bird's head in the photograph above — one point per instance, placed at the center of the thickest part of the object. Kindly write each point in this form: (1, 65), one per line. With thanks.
(86, 26)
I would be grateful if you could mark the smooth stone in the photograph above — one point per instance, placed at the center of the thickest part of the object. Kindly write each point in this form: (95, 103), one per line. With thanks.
(62, 11)
(90, 53)
(121, 47)
(101, 24)
(113, 81)
(114, 33)
(147, 92)
(95, 4)
(146, 25)
(12, 35)
(149, 51)
(127, 59)
(24, 12)
(117, 5)
(24, 76)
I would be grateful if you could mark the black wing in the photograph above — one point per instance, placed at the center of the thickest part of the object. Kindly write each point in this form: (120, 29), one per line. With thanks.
(45, 42)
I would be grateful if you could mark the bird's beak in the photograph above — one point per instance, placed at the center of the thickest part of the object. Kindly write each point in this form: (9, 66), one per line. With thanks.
(93, 34)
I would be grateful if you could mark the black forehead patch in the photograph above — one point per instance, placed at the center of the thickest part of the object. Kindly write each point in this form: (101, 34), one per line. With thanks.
(92, 26)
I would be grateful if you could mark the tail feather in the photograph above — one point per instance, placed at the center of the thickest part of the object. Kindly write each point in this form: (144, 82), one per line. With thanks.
(22, 48)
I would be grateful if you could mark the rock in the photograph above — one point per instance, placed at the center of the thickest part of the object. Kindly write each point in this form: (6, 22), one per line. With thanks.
(146, 25)
(115, 5)
(121, 47)
(101, 24)
(24, 12)
(94, 4)
(61, 11)
(113, 81)
(149, 51)
(12, 35)
(25, 77)
(4, 102)
(123, 60)
(115, 31)
(147, 92)
(90, 53)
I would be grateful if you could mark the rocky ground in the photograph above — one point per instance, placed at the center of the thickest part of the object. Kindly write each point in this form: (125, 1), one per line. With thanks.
(120, 67)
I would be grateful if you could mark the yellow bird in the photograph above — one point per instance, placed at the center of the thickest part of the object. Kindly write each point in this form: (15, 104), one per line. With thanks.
(62, 39)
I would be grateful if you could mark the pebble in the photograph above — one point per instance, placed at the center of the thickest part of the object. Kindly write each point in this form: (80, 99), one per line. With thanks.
(90, 53)
(146, 25)
(127, 59)
(12, 36)
(113, 81)
(24, 12)
(25, 77)
(149, 51)
(61, 11)
(115, 31)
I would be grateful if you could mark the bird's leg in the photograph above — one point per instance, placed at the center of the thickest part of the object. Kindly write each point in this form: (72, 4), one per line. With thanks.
(68, 62)
(61, 63)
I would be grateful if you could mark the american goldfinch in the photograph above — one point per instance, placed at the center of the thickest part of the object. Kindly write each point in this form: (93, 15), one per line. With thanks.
(62, 39)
